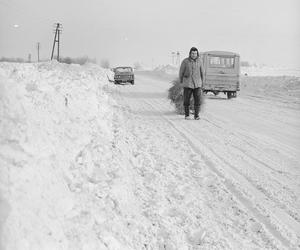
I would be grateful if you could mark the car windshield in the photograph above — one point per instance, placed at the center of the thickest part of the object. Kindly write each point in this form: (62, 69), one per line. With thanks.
(221, 62)
(124, 70)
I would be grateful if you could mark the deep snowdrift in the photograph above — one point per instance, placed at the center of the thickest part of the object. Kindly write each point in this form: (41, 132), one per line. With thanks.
(50, 113)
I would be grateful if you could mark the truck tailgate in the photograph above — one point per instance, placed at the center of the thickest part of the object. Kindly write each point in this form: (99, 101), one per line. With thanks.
(221, 82)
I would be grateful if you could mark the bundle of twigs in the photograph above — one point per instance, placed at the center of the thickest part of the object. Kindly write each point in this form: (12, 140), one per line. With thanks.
(176, 97)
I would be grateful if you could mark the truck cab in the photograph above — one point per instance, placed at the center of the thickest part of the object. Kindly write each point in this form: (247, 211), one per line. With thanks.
(221, 72)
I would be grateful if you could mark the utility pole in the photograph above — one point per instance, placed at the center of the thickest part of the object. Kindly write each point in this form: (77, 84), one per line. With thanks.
(29, 58)
(173, 58)
(58, 32)
(58, 29)
(38, 51)
(178, 58)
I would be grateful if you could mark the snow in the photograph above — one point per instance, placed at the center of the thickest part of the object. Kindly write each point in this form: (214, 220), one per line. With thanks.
(257, 70)
(86, 164)
(167, 69)
(50, 114)
(264, 70)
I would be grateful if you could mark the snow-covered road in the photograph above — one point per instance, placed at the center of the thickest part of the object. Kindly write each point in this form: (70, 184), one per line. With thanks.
(235, 173)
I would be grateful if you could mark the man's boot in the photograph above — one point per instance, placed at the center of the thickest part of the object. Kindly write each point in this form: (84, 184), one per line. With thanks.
(197, 110)
(187, 112)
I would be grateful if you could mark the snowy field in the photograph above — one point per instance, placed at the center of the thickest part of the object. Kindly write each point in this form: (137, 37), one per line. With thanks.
(86, 164)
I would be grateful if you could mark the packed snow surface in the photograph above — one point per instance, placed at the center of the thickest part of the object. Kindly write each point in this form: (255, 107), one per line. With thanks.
(86, 164)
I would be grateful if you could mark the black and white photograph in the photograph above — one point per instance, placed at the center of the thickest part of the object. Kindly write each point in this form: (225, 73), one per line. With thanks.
(149, 125)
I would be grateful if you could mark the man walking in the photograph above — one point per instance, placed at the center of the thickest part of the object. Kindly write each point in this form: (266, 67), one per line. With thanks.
(191, 76)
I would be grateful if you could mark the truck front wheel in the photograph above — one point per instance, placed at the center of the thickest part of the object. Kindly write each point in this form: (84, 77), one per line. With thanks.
(229, 95)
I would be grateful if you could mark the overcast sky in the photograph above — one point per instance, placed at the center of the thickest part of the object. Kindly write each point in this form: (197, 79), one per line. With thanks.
(262, 31)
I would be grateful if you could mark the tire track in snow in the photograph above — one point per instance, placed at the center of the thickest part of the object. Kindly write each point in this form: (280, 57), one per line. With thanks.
(281, 129)
(228, 234)
(251, 141)
(166, 117)
(278, 183)
(173, 213)
(268, 171)
(281, 182)
(240, 139)
(280, 214)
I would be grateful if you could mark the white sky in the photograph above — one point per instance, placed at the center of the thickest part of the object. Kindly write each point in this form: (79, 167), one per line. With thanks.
(262, 31)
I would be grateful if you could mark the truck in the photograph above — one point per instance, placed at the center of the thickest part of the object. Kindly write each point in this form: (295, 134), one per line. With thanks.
(221, 72)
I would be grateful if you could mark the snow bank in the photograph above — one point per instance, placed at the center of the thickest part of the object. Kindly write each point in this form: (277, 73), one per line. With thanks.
(50, 113)
(283, 87)
(269, 71)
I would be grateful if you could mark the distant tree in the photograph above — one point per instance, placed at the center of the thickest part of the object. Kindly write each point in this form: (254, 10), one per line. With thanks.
(11, 59)
(105, 64)
(67, 60)
(81, 60)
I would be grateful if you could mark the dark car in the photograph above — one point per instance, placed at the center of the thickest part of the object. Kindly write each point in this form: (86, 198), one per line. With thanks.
(123, 74)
